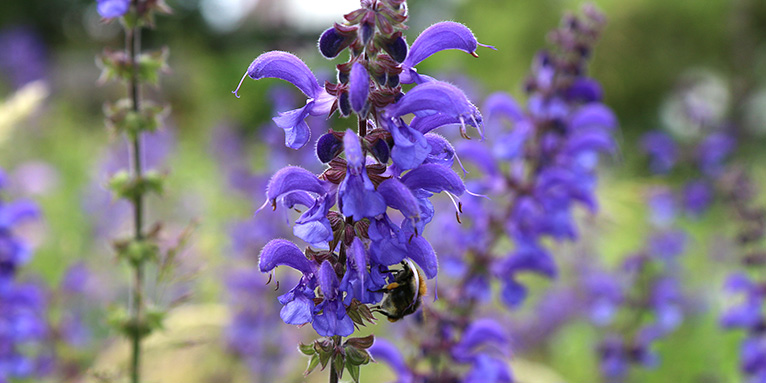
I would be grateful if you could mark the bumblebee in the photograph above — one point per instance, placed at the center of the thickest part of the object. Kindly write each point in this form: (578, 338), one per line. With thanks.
(403, 296)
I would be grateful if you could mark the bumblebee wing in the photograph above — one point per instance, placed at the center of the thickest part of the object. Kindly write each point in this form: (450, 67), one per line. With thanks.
(416, 275)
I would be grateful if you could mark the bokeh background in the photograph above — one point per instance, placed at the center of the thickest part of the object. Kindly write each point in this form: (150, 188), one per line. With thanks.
(56, 150)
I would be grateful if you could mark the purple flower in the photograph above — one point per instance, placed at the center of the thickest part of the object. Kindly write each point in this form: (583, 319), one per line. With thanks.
(330, 316)
(662, 151)
(286, 66)
(438, 37)
(113, 8)
(25, 59)
(698, 195)
(383, 350)
(357, 196)
(712, 151)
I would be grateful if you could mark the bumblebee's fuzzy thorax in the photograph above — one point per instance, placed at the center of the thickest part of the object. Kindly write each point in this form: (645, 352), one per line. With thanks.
(403, 296)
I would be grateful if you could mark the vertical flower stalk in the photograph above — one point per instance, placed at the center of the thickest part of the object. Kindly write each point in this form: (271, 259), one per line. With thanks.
(535, 175)
(359, 256)
(133, 116)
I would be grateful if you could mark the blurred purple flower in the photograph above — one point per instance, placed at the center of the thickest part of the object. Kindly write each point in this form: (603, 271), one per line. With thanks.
(24, 55)
(662, 151)
(112, 8)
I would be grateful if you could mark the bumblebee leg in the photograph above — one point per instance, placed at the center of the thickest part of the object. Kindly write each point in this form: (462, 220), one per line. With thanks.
(389, 287)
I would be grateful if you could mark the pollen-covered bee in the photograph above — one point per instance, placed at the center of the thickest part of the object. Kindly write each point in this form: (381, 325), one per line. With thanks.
(403, 296)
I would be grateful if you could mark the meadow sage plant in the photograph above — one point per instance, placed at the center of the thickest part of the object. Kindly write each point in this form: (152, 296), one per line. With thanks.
(355, 241)
(23, 305)
(535, 174)
(133, 116)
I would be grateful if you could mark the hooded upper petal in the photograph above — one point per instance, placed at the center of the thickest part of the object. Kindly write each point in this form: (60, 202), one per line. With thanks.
(280, 252)
(438, 37)
(434, 178)
(292, 178)
(288, 67)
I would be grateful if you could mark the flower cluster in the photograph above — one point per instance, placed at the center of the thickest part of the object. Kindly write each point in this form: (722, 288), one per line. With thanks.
(480, 351)
(547, 165)
(646, 286)
(387, 163)
(22, 304)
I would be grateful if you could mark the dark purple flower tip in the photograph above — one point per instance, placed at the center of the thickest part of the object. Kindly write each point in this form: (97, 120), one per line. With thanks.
(380, 150)
(292, 178)
(335, 39)
(328, 147)
(285, 66)
(359, 87)
(344, 104)
(434, 179)
(280, 252)
(398, 196)
(438, 37)
(383, 350)
(396, 48)
(112, 8)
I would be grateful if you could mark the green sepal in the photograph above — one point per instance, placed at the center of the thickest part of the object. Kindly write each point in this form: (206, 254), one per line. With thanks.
(338, 362)
(307, 349)
(136, 251)
(126, 187)
(150, 64)
(313, 363)
(154, 319)
(121, 118)
(353, 370)
(357, 356)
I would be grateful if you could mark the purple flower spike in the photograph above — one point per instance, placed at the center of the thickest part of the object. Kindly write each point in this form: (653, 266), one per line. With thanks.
(359, 88)
(112, 8)
(279, 252)
(438, 37)
(288, 67)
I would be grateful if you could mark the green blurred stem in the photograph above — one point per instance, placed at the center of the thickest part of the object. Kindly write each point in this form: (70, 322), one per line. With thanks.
(133, 46)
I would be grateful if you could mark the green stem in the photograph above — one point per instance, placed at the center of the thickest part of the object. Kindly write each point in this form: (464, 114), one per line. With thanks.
(334, 374)
(133, 46)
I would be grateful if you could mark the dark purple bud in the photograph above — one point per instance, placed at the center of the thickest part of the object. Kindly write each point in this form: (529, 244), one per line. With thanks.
(359, 87)
(396, 47)
(368, 27)
(334, 40)
(380, 150)
(393, 81)
(344, 104)
(328, 147)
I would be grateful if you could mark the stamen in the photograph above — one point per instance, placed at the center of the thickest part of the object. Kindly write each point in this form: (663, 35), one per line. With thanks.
(457, 215)
(239, 85)
(277, 286)
(465, 172)
(463, 130)
(474, 54)
(269, 281)
(478, 127)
